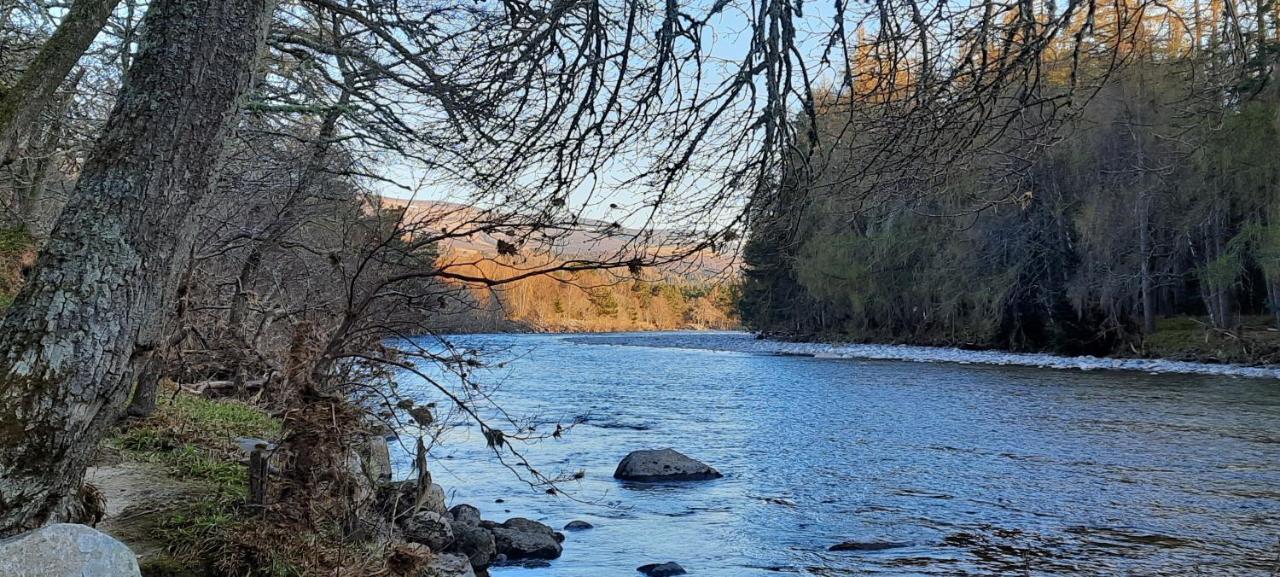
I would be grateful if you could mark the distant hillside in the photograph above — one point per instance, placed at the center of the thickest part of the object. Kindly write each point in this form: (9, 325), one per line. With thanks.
(692, 294)
(590, 239)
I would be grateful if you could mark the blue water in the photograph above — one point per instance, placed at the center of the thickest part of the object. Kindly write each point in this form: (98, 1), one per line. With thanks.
(975, 470)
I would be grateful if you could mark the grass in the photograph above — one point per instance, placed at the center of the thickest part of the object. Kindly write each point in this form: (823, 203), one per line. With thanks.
(14, 240)
(16, 247)
(1194, 339)
(192, 441)
(189, 420)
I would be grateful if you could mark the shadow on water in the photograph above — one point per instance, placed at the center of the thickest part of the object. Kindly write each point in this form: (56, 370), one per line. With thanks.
(966, 469)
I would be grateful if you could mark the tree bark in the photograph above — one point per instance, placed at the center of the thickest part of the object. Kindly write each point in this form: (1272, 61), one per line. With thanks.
(91, 307)
(22, 103)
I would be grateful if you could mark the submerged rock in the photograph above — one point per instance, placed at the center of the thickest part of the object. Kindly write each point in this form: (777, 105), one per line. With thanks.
(865, 546)
(520, 538)
(523, 563)
(663, 465)
(578, 526)
(66, 550)
(667, 569)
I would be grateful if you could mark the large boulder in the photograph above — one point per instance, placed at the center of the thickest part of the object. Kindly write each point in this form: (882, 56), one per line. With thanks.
(470, 539)
(663, 465)
(429, 528)
(66, 550)
(520, 538)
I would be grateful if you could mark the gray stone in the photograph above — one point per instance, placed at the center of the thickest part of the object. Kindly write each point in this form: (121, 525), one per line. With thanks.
(375, 456)
(578, 526)
(66, 550)
(435, 500)
(362, 487)
(246, 445)
(476, 543)
(448, 565)
(667, 569)
(520, 538)
(865, 546)
(663, 465)
(429, 528)
(399, 497)
(465, 515)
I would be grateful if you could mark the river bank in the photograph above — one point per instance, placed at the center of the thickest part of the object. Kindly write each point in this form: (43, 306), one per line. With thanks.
(748, 343)
(175, 488)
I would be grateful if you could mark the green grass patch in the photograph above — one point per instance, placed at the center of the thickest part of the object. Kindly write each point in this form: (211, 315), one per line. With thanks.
(15, 249)
(1194, 339)
(14, 240)
(204, 423)
(192, 441)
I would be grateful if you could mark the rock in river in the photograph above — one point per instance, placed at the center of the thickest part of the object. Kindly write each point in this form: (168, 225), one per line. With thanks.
(465, 514)
(520, 538)
(66, 550)
(865, 546)
(470, 539)
(578, 526)
(667, 569)
(663, 465)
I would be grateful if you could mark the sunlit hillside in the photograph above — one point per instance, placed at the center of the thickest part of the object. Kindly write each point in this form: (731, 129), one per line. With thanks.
(593, 301)
(695, 293)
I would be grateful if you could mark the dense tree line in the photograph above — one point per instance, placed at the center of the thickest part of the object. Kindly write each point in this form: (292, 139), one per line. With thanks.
(1157, 199)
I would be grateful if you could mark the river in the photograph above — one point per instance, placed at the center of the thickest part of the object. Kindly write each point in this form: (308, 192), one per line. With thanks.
(972, 469)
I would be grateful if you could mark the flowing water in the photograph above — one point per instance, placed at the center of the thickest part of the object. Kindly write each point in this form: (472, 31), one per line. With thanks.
(966, 469)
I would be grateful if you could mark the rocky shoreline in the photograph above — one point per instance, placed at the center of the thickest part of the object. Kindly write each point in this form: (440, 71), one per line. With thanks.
(466, 545)
(458, 541)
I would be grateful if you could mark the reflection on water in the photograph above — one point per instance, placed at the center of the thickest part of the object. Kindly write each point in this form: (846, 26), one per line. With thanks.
(974, 470)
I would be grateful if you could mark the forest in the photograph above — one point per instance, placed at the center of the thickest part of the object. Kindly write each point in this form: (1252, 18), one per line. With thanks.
(1147, 222)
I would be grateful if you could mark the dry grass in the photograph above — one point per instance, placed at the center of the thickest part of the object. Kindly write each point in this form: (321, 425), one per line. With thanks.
(211, 532)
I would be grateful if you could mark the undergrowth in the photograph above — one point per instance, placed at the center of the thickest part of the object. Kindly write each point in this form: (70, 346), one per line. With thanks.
(17, 251)
(192, 441)
(1255, 341)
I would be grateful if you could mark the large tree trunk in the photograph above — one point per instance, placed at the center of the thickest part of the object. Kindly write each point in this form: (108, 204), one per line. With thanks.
(92, 305)
(21, 104)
